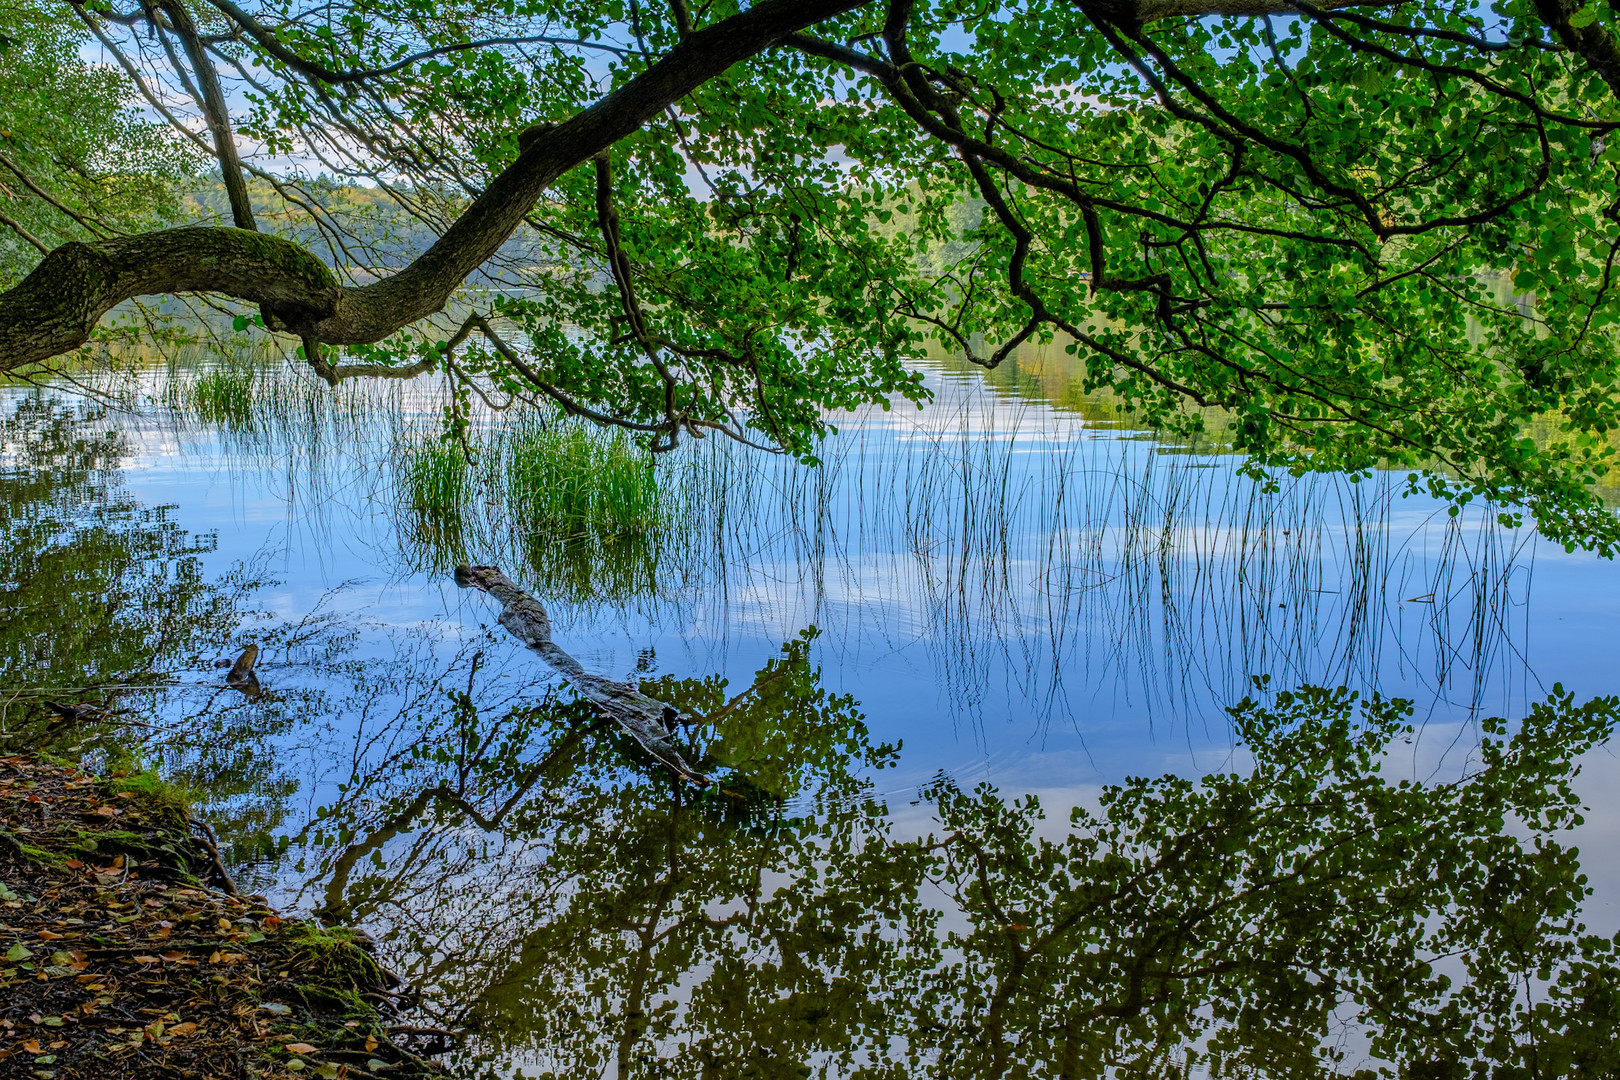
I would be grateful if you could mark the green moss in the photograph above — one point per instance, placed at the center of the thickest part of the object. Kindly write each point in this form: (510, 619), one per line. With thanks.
(164, 851)
(10, 843)
(345, 1004)
(332, 955)
(287, 256)
(152, 791)
(40, 855)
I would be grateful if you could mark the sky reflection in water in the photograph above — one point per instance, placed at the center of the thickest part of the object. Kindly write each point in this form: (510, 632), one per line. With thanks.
(1006, 592)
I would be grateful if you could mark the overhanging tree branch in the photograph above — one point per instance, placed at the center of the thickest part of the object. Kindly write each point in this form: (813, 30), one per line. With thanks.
(55, 308)
(214, 111)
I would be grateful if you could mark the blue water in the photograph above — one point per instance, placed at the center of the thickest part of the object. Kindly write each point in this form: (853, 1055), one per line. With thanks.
(1014, 594)
(1057, 660)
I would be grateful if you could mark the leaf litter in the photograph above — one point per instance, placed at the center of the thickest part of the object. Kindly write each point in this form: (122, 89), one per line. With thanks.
(127, 954)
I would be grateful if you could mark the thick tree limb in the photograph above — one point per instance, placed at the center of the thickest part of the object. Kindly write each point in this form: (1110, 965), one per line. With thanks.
(215, 112)
(56, 307)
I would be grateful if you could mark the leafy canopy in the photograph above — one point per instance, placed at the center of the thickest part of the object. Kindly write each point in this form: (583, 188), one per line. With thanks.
(77, 160)
(1365, 234)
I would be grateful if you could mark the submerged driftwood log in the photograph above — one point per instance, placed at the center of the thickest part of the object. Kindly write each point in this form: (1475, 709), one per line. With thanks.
(644, 719)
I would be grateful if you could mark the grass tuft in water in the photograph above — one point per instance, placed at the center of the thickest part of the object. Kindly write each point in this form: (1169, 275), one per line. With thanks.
(583, 508)
(224, 396)
(571, 483)
(438, 490)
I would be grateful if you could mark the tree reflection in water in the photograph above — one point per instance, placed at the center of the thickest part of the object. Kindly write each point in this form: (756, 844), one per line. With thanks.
(101, 597)
(580, 913)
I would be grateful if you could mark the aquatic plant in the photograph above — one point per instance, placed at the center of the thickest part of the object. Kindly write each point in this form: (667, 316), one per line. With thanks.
(436, 482)
(569, 481)
(224, 396)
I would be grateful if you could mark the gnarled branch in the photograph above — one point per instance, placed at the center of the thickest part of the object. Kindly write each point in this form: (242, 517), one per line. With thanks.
(56, 307)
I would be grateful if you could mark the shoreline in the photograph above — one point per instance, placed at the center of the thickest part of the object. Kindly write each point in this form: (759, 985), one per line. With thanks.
(126, 951)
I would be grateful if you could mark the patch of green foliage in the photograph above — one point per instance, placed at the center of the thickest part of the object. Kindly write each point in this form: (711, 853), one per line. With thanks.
(153, 791)
(73, 128)
(330, 953)
(224, 396)
(570, 482)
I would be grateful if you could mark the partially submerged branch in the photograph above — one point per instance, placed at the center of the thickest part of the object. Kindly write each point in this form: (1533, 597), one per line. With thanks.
(644, 719)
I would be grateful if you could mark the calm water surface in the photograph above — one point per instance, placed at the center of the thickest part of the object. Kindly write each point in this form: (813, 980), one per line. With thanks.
(968, 617)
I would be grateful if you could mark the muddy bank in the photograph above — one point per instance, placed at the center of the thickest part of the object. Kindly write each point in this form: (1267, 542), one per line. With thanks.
(124, 951)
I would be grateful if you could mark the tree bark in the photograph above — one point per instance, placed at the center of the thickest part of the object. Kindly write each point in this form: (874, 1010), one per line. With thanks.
(1592, 43)
(215, 112)
(55, 308)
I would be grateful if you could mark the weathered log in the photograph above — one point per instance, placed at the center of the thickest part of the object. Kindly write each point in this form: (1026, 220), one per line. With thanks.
(244, 665)
(641, 717)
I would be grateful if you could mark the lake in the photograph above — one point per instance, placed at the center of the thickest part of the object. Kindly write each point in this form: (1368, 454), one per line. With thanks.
(957, 689)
